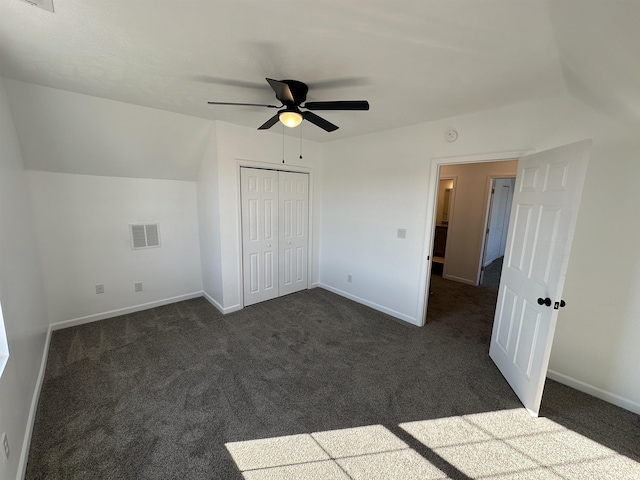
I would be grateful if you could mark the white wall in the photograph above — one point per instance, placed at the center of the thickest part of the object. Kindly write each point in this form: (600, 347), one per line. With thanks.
(598, 333)
(209, 221)
(466, 226)
(372, 186)
(377, 183)
(21, 293)
(82, 228)
(238, 145)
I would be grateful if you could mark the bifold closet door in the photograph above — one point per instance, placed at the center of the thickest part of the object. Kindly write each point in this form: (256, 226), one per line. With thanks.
(275, 233)
(293, 218)
(259, 193)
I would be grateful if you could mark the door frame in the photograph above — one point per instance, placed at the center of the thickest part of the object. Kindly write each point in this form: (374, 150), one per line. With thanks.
(432, 200)
(490, 181)
(241, 163)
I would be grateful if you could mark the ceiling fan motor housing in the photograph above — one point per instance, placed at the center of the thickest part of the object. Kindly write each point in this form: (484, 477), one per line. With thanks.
(298, 90)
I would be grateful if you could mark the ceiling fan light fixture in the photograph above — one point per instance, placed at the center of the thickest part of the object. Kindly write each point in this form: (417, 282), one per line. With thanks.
(290, 118)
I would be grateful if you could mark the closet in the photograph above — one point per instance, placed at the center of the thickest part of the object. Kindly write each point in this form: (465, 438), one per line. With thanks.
(275, 233)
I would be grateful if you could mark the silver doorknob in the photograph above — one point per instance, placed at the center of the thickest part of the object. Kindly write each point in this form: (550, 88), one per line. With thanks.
(268, 244)
(288, 243)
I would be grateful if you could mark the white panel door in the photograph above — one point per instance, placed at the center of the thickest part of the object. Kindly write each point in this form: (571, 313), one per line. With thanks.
(294, 230)
(259, 195)
(543, 217)
(499, 220)
(507, 214)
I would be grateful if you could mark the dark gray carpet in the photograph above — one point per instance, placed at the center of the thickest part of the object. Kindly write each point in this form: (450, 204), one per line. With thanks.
(492, 272)
(157, 394)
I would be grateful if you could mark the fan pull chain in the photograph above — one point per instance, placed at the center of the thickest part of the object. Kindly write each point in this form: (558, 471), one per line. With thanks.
(283, 143)
(301, 140)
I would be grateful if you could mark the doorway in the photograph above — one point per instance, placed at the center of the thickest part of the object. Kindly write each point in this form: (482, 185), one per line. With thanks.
(547, 201)
(437, 165)
(466, 225)
(455, 289)
(458, 268)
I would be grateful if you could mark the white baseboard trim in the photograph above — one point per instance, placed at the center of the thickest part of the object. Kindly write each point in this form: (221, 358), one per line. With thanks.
(595, 391)
(232, 308)
(459, 279)
(220, 308)
(213, 302)
(123, 311)
(375, 306)
(26, 444)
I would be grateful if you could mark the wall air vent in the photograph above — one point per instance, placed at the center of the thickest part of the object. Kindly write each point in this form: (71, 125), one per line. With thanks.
(44, 4)
(144, 235)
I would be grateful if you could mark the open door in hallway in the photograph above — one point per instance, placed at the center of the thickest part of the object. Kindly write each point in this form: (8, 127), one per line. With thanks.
(543, 217)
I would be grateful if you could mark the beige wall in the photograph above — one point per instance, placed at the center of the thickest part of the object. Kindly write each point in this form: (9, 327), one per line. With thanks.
(466, 226)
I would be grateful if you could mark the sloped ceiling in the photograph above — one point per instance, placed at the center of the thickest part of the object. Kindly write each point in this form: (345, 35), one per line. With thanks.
(414, 61)
(599, 46)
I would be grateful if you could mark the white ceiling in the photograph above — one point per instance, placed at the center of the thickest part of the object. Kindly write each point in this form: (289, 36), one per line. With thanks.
(415, 61)
(599, 46)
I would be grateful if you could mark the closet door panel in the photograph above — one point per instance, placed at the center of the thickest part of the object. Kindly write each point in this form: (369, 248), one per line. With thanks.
(260, 230)
(294, 231)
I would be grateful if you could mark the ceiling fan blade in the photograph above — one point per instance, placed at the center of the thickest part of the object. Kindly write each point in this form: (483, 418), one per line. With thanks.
(244, 104)
(226, 81)
(283, 92)
(339, 105)
(339, 83)
(319, 121)
(270, 123)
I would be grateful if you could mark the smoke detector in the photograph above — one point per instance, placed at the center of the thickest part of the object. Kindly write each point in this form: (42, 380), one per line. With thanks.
(43, 4)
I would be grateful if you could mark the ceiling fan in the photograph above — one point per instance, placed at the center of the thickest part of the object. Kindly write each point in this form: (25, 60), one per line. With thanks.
(292, 94)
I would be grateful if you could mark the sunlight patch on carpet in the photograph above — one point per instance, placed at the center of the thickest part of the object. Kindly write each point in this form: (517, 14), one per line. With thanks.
(512, 445)
(368, 452)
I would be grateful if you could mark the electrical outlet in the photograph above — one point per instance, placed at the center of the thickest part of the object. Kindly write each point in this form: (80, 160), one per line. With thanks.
(349, 278)
(138, 286)
(5, 446)
(100, 288)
